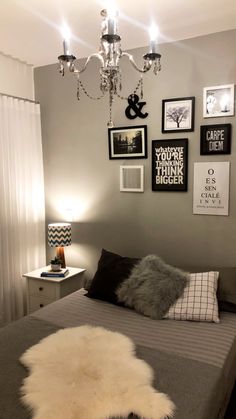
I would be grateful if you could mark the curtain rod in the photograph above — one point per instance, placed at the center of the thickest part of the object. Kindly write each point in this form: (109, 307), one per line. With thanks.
(19, 98)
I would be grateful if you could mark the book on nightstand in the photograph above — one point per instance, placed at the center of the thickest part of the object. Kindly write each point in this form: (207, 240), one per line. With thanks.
(55, 274)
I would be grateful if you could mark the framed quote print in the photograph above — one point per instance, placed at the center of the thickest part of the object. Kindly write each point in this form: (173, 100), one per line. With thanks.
(211, 188)
(170, 165)
(215, 139)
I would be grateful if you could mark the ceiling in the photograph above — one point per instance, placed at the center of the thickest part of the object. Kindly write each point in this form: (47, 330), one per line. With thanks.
(30, 29)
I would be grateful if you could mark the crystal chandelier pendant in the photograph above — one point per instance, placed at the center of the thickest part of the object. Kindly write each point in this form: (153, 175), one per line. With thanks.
(109, 56)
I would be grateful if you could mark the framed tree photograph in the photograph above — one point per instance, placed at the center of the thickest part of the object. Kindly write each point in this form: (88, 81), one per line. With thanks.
(128, 142)
(170, 165)
(215, 139)
(218, 101)
(178, 114)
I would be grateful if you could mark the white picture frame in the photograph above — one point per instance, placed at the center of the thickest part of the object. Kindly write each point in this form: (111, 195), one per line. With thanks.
(132, 178)
(218, 101)
(211, 188)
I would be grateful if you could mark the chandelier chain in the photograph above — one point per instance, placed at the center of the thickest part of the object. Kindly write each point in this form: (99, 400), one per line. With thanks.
(139, 85)
(80, 84)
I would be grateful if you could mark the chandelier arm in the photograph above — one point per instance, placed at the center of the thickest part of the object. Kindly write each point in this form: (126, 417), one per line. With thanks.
(75, 70)
(146, 67)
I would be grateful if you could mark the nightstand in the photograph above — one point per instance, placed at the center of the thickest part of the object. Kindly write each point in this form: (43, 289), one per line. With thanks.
(42, 291)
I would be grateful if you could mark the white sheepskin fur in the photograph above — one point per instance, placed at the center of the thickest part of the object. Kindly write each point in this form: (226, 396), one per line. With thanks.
(90, 373)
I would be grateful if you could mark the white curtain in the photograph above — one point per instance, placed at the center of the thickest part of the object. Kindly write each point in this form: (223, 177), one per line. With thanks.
(16, 77)
(22, 217)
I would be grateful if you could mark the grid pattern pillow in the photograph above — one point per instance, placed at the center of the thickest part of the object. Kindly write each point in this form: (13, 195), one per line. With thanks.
(199, 300)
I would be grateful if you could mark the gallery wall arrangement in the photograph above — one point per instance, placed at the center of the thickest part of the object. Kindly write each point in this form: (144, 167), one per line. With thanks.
(170, 156)
(151, 220)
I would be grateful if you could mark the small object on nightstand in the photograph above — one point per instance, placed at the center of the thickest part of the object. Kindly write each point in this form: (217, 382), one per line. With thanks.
(50, 273)
(55, 264)
(43, 290)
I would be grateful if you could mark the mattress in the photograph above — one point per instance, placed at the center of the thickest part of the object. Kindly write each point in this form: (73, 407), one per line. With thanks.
(194, 363)
(207, 342)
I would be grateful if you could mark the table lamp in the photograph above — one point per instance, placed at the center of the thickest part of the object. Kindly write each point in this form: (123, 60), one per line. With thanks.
(59, 235)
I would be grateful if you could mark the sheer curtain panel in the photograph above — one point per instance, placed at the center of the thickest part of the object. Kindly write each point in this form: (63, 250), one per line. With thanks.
(22, 217)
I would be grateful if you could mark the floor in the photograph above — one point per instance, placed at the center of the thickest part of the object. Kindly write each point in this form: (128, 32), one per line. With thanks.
(231, 411)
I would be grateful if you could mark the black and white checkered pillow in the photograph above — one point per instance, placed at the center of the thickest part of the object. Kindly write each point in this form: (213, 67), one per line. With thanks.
(199, 301)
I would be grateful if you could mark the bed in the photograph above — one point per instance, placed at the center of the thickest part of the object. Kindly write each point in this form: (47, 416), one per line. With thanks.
(194, 362)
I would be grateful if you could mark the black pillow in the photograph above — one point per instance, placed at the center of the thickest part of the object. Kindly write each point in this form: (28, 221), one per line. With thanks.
(226, 292)
(112, 270)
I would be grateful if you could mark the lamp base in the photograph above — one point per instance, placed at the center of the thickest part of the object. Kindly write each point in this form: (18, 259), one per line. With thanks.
(61, 256)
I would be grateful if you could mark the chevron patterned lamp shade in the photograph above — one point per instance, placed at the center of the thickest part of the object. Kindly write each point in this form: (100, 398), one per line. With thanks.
(59, 236)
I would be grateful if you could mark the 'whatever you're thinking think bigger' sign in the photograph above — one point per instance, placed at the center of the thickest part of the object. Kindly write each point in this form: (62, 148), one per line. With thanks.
(169, 165)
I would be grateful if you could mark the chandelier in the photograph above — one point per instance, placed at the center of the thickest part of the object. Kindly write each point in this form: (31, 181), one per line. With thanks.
(109, 55)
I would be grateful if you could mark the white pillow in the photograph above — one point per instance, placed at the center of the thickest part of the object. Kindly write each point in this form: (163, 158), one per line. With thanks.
(199, 300)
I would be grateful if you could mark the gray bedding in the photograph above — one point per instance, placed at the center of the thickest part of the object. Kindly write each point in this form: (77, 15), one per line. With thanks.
(194, 363)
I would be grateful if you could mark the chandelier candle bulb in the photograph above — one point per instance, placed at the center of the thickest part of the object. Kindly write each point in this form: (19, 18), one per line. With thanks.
(111, 26)
(66, 34)
(112, 20)
(65, 48)
(153, 32)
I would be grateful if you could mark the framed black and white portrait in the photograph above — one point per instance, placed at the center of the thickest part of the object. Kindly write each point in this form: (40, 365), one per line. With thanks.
(178, 114)
(218, 101)
(128, 142)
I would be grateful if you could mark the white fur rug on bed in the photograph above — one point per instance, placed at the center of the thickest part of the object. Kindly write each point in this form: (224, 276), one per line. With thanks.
(90, 373)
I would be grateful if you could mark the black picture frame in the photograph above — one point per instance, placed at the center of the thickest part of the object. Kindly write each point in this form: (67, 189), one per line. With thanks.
(178, 114)
(128, 142)
(215, 139)
(170, 165)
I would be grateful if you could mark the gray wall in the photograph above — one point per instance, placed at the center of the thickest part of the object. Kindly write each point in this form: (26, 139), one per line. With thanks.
(79, 174)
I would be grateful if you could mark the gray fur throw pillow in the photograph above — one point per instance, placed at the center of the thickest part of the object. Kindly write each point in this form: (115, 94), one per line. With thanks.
(152, 287)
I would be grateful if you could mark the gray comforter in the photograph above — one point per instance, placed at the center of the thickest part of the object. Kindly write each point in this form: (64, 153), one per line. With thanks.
(198, 388)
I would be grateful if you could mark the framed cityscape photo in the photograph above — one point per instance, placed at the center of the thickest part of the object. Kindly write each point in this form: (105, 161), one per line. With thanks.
(128, 142)
(170, 165)
(178, 114)
(215, 139)
(218, 101)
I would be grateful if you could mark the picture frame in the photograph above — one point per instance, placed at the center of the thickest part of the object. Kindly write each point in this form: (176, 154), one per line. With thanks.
(128, 142)
(170, 165)
(215, 139)
(211, 188)
(218, 101)
(131, 178)
(178, 114)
